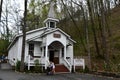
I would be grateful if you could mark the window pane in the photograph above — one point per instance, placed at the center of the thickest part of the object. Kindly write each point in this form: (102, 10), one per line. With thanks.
(52, 24)
(31, 49)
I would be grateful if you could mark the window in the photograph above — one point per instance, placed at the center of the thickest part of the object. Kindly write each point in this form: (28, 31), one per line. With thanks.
(52, 25)
(44, 51)
(31, 49)
(62, 52)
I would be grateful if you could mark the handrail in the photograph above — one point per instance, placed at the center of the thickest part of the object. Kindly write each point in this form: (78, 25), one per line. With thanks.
(30, 62)
(47, 62)
(67, 64)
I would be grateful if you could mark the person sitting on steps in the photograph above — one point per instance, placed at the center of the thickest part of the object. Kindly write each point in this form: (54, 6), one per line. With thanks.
(51, 68)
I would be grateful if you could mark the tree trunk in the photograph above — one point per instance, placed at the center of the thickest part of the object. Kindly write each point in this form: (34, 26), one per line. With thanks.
(93, 26)
(78, 30)
(85, 20)
(24, 38)
(1, 9)
(7, 29)
(104, 35)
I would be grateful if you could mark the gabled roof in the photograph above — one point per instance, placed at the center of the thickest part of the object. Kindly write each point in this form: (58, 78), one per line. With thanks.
(46, 31)
(57, 29)
(29, 32)
(35, 30)
(51, 19)
(33, 38)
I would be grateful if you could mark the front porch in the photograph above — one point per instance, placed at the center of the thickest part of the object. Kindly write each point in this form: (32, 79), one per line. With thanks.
(64, 66)
(55, 50)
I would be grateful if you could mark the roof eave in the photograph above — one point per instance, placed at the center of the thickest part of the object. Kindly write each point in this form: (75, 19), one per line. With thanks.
(53, 19)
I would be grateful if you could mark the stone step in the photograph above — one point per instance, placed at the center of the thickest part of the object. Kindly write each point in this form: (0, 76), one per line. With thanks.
(5, 66)
(61, 68)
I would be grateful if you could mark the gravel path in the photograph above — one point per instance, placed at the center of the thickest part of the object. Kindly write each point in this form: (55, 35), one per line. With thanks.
(11, 75)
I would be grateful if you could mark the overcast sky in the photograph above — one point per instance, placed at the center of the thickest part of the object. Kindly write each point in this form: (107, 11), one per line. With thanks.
(12, 4)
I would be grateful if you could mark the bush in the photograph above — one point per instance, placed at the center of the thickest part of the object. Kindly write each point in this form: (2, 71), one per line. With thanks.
(86, 70)
(37, 67)
(18, 64)
(17, 67)
(107, 67)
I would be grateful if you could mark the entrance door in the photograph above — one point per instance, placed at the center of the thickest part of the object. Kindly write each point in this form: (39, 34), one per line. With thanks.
(51, 56)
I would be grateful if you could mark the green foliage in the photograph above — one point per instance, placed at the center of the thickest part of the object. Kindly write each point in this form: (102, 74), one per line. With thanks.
(37, 13)
(17, 67)
(107, 67)
(86, 70)
(34, 69)
(117, 46)
(3, 46)
(37, 67)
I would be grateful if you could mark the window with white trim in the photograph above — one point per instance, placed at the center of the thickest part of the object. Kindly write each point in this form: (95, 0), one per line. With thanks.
(31, 49)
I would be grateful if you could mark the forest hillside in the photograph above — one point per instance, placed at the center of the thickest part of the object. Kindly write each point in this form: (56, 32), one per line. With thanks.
(93, 24)
(113, 41)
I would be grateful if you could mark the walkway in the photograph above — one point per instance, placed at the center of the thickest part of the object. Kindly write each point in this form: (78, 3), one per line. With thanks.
(11, 75)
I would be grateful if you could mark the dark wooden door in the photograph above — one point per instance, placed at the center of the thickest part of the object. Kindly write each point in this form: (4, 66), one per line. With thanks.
(56, 60)
(51, 56)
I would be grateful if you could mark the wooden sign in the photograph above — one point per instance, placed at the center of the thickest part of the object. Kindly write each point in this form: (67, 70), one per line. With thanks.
(79, 62)
(56, 35)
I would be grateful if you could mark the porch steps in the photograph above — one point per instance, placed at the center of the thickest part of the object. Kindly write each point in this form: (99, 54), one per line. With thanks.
(60, 68)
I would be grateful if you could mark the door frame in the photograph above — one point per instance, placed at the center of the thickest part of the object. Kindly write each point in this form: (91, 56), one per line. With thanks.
(52, 56)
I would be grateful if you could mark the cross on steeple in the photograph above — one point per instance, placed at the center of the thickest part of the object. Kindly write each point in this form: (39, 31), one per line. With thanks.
(51, 18)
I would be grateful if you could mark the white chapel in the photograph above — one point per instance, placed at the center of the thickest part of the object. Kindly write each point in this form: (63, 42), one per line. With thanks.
(45, 44)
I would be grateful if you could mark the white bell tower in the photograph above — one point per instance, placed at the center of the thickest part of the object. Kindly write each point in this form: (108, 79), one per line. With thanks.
(51, 20)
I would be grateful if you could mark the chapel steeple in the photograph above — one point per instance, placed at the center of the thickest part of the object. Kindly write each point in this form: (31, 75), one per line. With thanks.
(51, 18)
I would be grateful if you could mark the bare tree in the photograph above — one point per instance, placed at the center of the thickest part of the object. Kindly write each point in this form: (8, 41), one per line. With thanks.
(85, 24)
(104, 34)
(76, 26)
(24, 37)
(91, 13)
(6, 21)
(1, 9)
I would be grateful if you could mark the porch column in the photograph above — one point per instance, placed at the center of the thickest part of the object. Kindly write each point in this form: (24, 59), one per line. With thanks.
(64, 52)
(46, 52)
(60, 55)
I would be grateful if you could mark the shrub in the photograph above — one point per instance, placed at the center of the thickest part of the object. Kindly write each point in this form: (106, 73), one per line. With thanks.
(86, 70)
(17, 67)
(37, 67)
(107, 67)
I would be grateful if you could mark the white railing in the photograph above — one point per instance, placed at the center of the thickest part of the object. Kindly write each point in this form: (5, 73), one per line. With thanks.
(67, 64)
(42, 60)
(12, 62)
(31, 61)
(69, 60)
(46, 63)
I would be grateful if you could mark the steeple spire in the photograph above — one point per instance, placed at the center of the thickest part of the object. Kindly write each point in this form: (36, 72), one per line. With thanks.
(51, 18)
(51, 13)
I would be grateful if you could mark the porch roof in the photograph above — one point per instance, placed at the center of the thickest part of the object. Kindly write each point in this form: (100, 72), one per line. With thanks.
(35, 39)
(15, 38)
